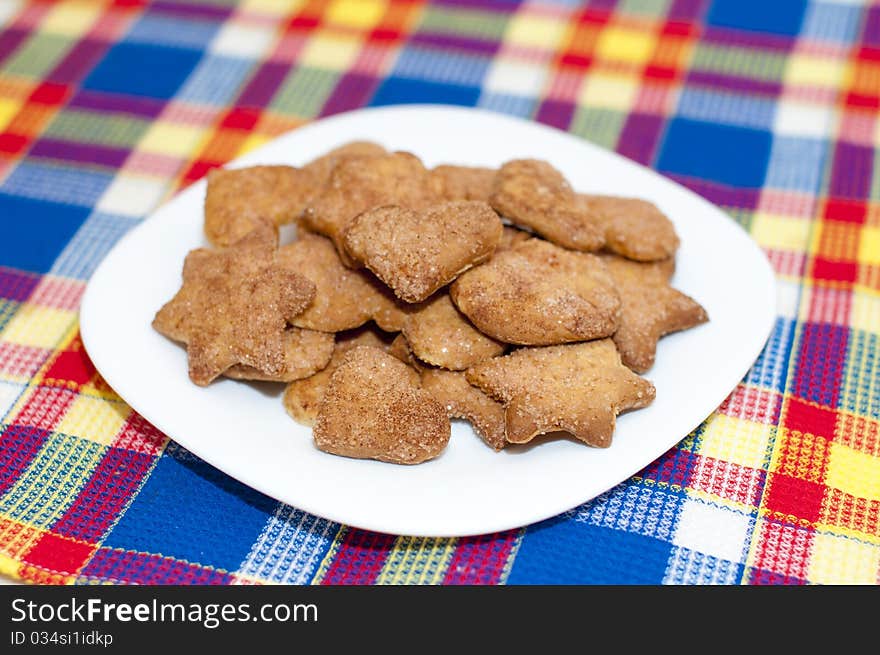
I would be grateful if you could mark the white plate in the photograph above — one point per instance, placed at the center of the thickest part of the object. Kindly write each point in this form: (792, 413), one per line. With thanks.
(242, 429)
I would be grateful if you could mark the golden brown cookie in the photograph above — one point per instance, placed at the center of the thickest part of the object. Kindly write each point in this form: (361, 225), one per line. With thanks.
(416, 253)
(374, 410)
(532, 194)
(463, 400)
(539, 294)
(321, 168)
(236, 200)
(233, 308)
(462, 182)
(306, 352)
(344, 298)
(633, 228)
(439, 334)
(650, 309)
(400, 349)
(357, 184)
(577, 388)
(511, 237)
(303, 396)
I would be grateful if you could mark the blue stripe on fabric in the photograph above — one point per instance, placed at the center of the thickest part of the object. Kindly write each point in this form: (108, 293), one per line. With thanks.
(735, 156)
(511, 105)
(36, 231)
(94, 239)
(727, 108)
(191, 511)
(776, 16)
(562, 551)
(180, 32)
(446, 67)
(690, 567)
(70, 185)
(836, 23)
(399, 90)
(796, 163)
(771, 367)
(290, 548)
(216, 80)
(637, 507)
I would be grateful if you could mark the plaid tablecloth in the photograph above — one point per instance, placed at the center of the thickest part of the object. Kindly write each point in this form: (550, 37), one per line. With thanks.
(768, 108)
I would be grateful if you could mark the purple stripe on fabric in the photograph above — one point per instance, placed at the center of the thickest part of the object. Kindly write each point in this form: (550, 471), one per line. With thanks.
(109, 102)
(10, 40)
(84, 153)
(493, 5)
(448, 41)
(77, 62)
(639, 137)
(352, 91)
(871, 32)
(191, 10)
(719, 194)
(734, 83)
(17, 285)
(686, 10)
(263, 85)
(730, 37)
(555, 113)
(852, 171)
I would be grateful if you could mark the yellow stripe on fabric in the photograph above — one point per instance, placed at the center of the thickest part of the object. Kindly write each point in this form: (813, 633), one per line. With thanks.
(52, 481)
(864, 313)
(511, 556)
(39, 327)
(72, 18)
(17, 538)
(736, 440)
(869, 246)
(327, 562)
(417, 561)
(853, 472)
(94, 419)
(841, 560)
(276, 7)
(9, 566)
(780, 232)
(8, 110)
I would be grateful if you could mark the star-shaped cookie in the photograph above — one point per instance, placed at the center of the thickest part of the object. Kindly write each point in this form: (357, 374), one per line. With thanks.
(650, 308)
(577, 388)
(234, 306)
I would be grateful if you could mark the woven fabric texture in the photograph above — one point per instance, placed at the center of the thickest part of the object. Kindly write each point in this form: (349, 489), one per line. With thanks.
(768, 109)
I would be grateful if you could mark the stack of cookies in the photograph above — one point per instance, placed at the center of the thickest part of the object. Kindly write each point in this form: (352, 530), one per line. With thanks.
(413, 295)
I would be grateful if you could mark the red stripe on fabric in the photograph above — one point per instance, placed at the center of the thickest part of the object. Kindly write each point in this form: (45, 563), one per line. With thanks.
(100, 502)
(850, 211)
(45, 407)
(198, 169)
(12, 144)
(848, 511)
(21, 361)
(810, 418)
(835, 271)
(753, 404)
(793, 499)
(741, 484)
(71, 368)
(57, 554)
(359, 559)
(139, 435)
(58, 293)
(481, 559)
(830, 305)
(49, 93)
(784, 550)
(241, 118)
(862, 434)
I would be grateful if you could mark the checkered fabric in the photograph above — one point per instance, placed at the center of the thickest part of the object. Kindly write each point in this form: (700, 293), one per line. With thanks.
(767, 108)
